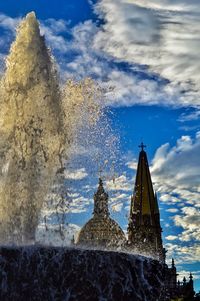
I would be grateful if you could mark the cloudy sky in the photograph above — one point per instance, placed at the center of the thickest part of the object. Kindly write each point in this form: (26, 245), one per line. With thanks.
(146, 55)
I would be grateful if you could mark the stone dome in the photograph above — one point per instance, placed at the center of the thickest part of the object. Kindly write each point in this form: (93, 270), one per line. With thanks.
(101, 231)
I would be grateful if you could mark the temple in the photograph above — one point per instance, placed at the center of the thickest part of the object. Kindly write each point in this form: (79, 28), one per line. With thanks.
(144, 230)
(101, 231)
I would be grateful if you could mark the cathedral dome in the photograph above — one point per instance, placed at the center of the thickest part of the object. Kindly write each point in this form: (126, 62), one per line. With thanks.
(101, 231)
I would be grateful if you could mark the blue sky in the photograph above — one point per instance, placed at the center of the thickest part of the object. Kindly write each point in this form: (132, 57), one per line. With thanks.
(148, 52)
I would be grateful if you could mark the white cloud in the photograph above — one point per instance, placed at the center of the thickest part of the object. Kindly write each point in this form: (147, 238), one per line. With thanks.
(97, 51)
(77, 174)
(176, 175)
(121, 183)
(175, 5)
(118, 200)
(189, 221)
(122, 87)
(132, 164)
(73, 195)
(167, 198)
(8, 23)
(53, 31)
(171, 237)
(183, 253)
(176, 170)
(188, 117)
(58, 26)
(79, 204)
(163, 36)
(172, 210)
(79, 57)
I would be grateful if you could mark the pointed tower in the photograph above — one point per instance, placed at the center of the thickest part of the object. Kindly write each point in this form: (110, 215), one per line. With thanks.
(190, 290)
(144, 230)
(191, 278)
(101, 231)
(172, 277)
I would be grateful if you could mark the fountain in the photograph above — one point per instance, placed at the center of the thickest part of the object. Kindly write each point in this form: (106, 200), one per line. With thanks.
(39, 122)
(37, 125)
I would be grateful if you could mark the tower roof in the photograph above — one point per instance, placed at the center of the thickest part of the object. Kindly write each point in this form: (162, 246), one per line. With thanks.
(156, 210)
(144, 231)
(173, 265)
(144, 199)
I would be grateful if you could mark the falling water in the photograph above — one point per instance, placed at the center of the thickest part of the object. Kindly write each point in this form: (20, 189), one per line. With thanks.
(37, 124)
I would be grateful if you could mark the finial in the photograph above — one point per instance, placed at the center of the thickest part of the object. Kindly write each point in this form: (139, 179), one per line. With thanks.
(184, 279)
(100, 171)
(100, 188)
(100, 181)
(173, 263)
(142, 146)
(191, 277)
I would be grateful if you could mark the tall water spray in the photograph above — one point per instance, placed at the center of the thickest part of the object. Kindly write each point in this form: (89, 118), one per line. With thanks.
(39, 122)
(32, 132)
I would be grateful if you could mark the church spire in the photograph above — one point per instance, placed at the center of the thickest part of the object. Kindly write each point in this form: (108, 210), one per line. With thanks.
(101, 201)
(144, 224)
(144, 202)
(156, 209)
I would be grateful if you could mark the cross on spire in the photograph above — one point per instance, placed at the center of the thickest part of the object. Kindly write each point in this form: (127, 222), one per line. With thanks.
(100, 172)
(142, 146)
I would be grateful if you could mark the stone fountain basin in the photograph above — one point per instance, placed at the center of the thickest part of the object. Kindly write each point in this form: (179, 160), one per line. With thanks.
(52, 273)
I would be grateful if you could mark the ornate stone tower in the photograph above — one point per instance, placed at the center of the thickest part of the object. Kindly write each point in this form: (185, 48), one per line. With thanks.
(101, 201)
(101, 231)
(144, 230)
(171, 279)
